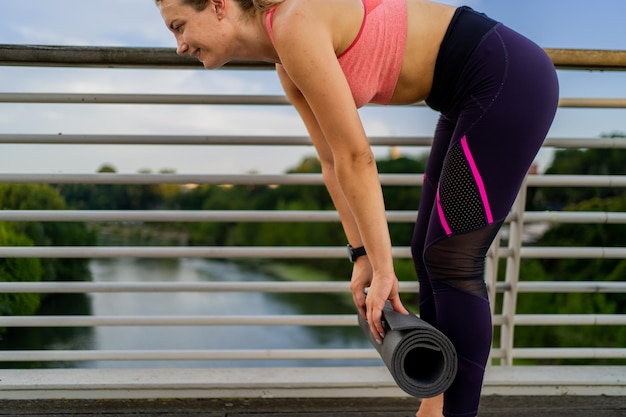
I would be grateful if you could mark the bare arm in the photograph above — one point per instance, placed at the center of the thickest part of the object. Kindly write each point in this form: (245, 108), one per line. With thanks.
(316, 83)
(326, 158)
(362, 273)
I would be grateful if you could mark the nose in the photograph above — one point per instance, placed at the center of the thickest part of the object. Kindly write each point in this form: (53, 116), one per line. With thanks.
(182, 47)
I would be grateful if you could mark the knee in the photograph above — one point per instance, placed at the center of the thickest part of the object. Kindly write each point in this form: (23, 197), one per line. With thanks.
(461, 255)
(449, 259)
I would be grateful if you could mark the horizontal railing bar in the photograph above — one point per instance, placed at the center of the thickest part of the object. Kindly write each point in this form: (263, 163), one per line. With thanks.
(285, 179)
(284, 320)
(569, 353)
(107, 57)
(209, 286)
(571, 287)
(25, 138)
(161, 58)
(107, 178)
(227, 99)
(155, 355)
(576, 180)
(282, 287)
(178, 99)
(593, 103)
(203, 140)
(232, 252)
(21, 138)
(570, 319)
(397, 216)
(575, 217)
(242, 320)
(587, 59)
(278, 354)
(186, 215)
(277, 252)
(572, 252)
(393, 216)
(595, 143)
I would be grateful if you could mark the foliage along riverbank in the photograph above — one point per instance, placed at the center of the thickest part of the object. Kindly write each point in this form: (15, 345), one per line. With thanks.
(38, 197)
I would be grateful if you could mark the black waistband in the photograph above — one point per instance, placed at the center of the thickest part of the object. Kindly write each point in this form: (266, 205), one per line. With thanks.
(464, 33)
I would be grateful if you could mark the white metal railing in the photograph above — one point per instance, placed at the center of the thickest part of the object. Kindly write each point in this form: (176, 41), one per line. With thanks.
(507, 319)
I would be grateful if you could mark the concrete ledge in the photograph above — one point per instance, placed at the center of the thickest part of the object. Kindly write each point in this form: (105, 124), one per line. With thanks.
(556, 380)
(326, 382)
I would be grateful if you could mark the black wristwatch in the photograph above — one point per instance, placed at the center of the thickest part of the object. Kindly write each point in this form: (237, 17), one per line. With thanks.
(354, 253)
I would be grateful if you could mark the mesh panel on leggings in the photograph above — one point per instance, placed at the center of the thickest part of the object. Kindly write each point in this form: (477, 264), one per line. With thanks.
(459, 195)
(459, 260)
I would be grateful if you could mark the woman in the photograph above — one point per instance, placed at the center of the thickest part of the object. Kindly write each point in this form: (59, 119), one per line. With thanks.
(497, 93)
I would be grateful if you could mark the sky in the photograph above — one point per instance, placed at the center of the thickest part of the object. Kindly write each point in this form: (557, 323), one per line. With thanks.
(137, 23)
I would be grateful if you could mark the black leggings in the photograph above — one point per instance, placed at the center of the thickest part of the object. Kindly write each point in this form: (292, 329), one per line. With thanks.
(497, 93)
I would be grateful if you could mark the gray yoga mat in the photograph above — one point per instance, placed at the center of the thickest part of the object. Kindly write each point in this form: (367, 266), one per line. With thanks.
(421, 359)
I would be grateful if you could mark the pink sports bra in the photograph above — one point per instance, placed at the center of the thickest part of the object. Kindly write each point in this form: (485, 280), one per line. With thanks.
(372, 63)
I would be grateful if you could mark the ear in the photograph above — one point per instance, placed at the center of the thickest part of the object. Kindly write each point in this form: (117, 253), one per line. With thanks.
(220, 7)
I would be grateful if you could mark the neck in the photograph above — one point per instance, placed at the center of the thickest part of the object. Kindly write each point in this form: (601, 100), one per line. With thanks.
(254, 43)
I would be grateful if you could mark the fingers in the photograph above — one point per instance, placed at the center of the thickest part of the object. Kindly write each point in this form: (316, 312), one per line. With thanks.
(397, 305)
(375, 315)
(376, 327)
(359, 301)
(370, 296)
(374, 320)
(358, 286)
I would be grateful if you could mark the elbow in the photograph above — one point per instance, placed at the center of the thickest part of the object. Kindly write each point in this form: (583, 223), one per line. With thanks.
(355, 166)
(356, 162)
(328, 169)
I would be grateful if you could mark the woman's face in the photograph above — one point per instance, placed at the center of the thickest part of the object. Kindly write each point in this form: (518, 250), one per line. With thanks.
(196, 32)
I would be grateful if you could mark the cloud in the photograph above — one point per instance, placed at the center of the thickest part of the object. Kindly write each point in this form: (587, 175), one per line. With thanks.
(79, 22)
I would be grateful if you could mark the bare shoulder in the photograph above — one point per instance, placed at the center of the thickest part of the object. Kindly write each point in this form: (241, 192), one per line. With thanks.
(334, 21)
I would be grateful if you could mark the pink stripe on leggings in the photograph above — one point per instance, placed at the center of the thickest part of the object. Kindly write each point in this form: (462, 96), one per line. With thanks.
(477, 177)
(442, 217)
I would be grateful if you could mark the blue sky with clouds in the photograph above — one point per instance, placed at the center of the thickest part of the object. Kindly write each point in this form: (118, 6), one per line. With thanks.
(550, 23)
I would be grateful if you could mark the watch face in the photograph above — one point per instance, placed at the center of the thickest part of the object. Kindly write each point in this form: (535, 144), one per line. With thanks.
(354, 253)
(351, 254)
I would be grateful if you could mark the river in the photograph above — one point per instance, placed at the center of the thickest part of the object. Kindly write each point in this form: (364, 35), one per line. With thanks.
(190, 303)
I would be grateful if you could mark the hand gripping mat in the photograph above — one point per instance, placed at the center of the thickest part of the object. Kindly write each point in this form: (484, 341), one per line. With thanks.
(421, 359)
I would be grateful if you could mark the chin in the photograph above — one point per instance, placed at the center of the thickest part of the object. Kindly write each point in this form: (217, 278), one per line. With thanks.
(212, 65)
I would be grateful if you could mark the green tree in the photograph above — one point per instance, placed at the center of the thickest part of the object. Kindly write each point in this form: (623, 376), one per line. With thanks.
(580, 162)
(44, 197)
(18, 270)
(113, 196)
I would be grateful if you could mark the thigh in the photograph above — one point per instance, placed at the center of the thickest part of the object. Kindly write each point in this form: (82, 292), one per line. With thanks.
(500, 126)
(426, 213)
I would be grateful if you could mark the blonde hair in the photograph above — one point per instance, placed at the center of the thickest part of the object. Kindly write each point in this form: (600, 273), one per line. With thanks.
(247, 5)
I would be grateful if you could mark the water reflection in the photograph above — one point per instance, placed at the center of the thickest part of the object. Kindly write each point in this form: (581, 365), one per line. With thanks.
(200, 304)
(212, 337)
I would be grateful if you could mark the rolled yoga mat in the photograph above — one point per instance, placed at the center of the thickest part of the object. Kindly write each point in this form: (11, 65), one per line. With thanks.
(421, 359)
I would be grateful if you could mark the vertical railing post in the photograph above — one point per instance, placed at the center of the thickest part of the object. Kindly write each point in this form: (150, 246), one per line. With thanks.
(491, 271)
(509, 301)
(491, 274)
